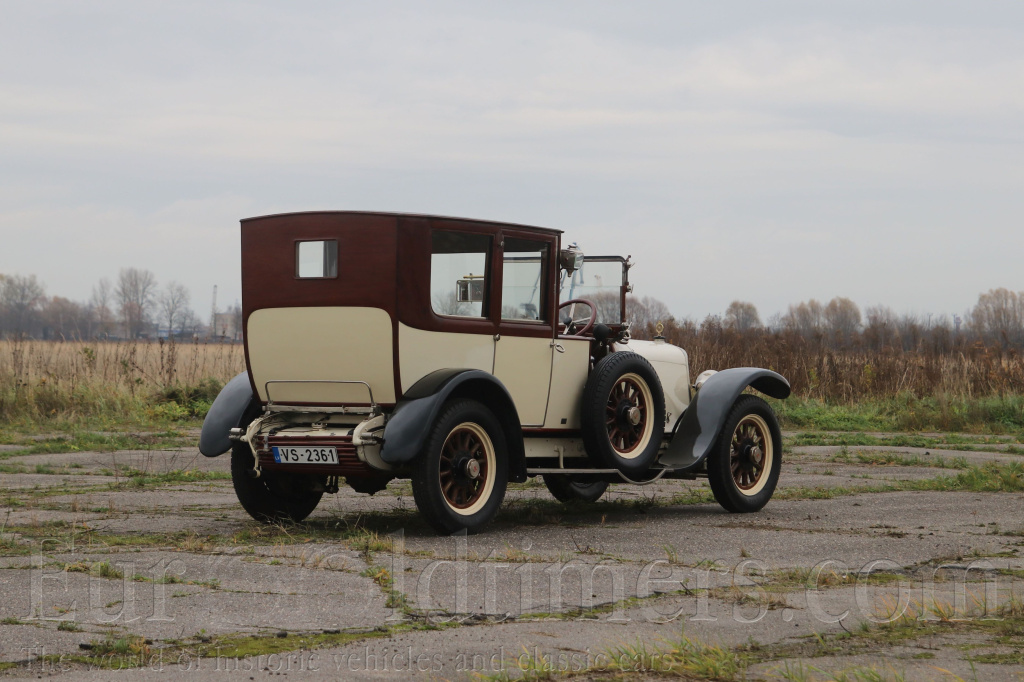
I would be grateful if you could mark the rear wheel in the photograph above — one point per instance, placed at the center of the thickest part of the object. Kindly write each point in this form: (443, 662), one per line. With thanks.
(744, 466)
(569, 489)
(276, 495)
(461, 475)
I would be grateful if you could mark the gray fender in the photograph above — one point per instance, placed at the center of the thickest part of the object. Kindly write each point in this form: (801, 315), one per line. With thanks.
(225, 414)
(697, 429)
(409, 425)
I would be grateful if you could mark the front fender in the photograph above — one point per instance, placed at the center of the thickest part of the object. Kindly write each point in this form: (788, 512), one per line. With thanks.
(697, 429)
(225, 414)
(409, 425)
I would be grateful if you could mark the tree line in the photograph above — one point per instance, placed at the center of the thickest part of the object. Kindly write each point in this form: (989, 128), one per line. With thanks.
(997, 318)
(133, 306)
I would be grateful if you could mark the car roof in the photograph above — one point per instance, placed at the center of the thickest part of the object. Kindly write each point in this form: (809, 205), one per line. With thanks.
(496, 223)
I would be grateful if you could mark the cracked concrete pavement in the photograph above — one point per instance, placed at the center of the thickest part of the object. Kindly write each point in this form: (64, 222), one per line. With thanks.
(91, 556)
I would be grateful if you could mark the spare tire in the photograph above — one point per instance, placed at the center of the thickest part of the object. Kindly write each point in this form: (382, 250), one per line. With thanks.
(623, 414)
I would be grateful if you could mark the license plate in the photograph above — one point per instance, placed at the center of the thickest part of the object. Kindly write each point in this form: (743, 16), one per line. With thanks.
(305, 455)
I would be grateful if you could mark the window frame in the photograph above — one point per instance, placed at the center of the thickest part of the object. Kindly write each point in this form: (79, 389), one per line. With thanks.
(545, 277)
(546, 326)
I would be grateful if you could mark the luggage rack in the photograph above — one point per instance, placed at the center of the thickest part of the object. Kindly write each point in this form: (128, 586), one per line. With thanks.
(271, 406)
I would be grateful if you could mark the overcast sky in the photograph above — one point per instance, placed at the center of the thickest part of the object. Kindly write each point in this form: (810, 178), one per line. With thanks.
(765, 151)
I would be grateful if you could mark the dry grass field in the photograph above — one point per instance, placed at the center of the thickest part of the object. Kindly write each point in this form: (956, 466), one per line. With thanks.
(820, 369)
(40, 379)
(966, 387)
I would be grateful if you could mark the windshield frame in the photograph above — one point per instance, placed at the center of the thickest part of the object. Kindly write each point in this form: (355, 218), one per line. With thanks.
(623, 287)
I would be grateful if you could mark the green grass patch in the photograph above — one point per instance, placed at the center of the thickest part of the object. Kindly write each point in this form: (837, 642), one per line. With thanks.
(989, 415)
(91, 441)
(256, 645)
(140, 479)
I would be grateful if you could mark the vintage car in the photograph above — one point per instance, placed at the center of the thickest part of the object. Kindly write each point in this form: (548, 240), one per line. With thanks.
(465, 354)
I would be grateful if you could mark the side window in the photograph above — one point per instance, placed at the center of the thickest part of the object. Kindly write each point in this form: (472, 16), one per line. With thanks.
(458, 273)
(316, 260)
(522, 280)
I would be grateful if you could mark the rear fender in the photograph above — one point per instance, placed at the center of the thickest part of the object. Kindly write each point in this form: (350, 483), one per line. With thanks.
(697, 429)
(225, 414)
(409, 425)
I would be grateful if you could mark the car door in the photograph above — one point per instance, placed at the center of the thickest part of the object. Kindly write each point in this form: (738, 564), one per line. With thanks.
(523, 345)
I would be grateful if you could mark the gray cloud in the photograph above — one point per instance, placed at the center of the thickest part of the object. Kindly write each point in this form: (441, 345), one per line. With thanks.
(762, 151)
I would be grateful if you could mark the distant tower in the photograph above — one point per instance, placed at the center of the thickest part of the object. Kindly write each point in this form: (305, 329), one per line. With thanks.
(213, 313)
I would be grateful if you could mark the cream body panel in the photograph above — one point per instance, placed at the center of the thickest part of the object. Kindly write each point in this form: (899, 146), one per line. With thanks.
(523, 365)
(673, 370)
(422, 352)
(329, 343)
(569, 372)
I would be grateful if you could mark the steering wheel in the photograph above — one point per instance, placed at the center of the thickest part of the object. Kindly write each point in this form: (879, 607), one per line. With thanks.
(569, 327)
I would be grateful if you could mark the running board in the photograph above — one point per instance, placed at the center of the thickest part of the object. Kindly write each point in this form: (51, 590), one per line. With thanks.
(599, 472)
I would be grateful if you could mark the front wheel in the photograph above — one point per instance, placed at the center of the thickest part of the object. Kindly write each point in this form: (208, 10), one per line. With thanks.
(460, 477)
(568, 489)
(744, 466)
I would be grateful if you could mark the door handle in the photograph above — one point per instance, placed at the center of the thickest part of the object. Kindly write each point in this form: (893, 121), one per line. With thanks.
(558, 347)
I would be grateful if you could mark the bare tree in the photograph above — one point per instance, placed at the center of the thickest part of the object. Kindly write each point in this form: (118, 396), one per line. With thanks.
(880, 327)
(65, 319)
(173, 301)
(842, 318)
(234, 318)
(135, 290)
(642, 312)
(189, 323)
(910, 330)
(742, 316)
(609, 306)
(20, 300)
(804, 318)
(999, 313)
(102, 294)
(449, 304)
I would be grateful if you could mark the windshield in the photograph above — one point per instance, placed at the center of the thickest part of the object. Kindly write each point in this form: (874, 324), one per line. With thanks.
(599, 280)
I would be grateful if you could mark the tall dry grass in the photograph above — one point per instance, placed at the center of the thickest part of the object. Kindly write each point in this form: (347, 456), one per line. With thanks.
(40, 379)
(818, 370)
(968, 385)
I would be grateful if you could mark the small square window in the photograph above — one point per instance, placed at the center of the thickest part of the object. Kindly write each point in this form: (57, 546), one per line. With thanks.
(316, 260)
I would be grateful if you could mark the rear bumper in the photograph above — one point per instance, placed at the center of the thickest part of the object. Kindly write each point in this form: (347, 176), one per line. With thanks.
(348, 464)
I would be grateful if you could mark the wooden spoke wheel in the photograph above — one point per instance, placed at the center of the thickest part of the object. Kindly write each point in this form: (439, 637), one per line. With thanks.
(627, 415)
(459, 478)
(623, 414)
(751, 453)
(744, 464)
(467, 467)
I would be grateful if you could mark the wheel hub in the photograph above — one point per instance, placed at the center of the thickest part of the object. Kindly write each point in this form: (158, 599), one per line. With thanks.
(633, 415)
(629, 414)
(471, 469)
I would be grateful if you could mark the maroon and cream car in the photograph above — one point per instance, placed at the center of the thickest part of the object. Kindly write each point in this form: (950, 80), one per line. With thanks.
(465, 354)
